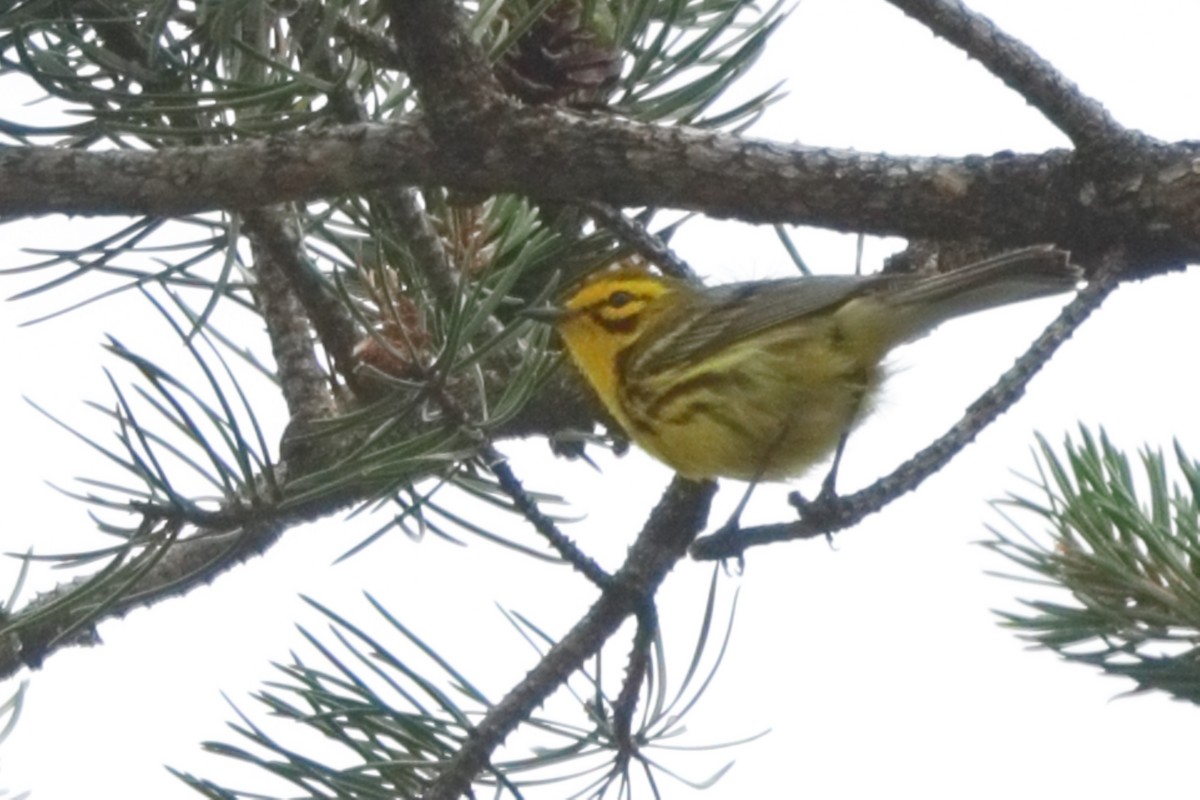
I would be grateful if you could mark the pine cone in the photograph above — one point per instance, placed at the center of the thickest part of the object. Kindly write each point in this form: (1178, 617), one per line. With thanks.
(564, 58)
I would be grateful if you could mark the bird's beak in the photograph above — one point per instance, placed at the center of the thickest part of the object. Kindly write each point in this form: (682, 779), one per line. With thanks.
(548, 314)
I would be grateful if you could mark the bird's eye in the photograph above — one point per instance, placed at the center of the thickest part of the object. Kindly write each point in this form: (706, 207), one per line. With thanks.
(619, 298)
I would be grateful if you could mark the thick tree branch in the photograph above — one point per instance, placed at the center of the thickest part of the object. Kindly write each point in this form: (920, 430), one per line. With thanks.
(1150, 202)
(1084, 120)
(450, 71)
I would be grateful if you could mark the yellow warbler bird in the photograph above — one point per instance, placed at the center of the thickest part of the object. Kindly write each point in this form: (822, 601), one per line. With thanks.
(761, 380)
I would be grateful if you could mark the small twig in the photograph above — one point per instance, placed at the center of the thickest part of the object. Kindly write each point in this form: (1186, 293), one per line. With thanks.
(828, 515)
(368, 44)
(635, 676)
(511, 485)
(1084, 120)
(529, 509)
(679, 515)
(634, 233)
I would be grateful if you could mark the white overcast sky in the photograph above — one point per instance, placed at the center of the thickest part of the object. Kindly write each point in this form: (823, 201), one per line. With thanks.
(877, 663)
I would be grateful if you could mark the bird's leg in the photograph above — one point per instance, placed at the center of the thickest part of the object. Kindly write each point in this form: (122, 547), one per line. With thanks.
(828, 491)
(731, 525)
(816, 509)
(823, 506)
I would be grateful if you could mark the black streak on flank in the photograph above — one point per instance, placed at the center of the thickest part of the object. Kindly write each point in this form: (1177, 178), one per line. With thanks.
(706, 380)
(837, 336)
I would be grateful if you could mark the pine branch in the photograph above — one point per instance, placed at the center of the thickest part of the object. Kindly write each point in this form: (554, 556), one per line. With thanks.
(279, 267)
(650, 246)
(679, 516)
(400, 710)
(290, 296)
(636, 669)
(569, 551)
(428, 251)
(52, 621)
(1125, 551)
(450, 71)
(1084, 120)
(1118, 192)
(179, 545)
(1010, 199)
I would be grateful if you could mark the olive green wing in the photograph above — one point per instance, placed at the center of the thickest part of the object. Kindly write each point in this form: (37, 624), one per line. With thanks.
(740, 311)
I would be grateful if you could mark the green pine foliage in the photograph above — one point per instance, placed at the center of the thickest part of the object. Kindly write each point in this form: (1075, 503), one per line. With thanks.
(1120, 544)
(393, 345)
(412, 296)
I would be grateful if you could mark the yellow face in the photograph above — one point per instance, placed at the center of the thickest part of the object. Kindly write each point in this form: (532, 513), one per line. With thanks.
(602, 318)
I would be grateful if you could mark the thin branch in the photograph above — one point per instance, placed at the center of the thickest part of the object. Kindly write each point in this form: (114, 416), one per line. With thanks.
(428, 250)
(528, 507)
(185, 565)
(368, 44)
(231, 536)
(284, 280)
(635, 676)
(1084, 120)
(634, 233)
(680, 514)
(827, 515)
(511, 485)
(522, 501)
(400, 203)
